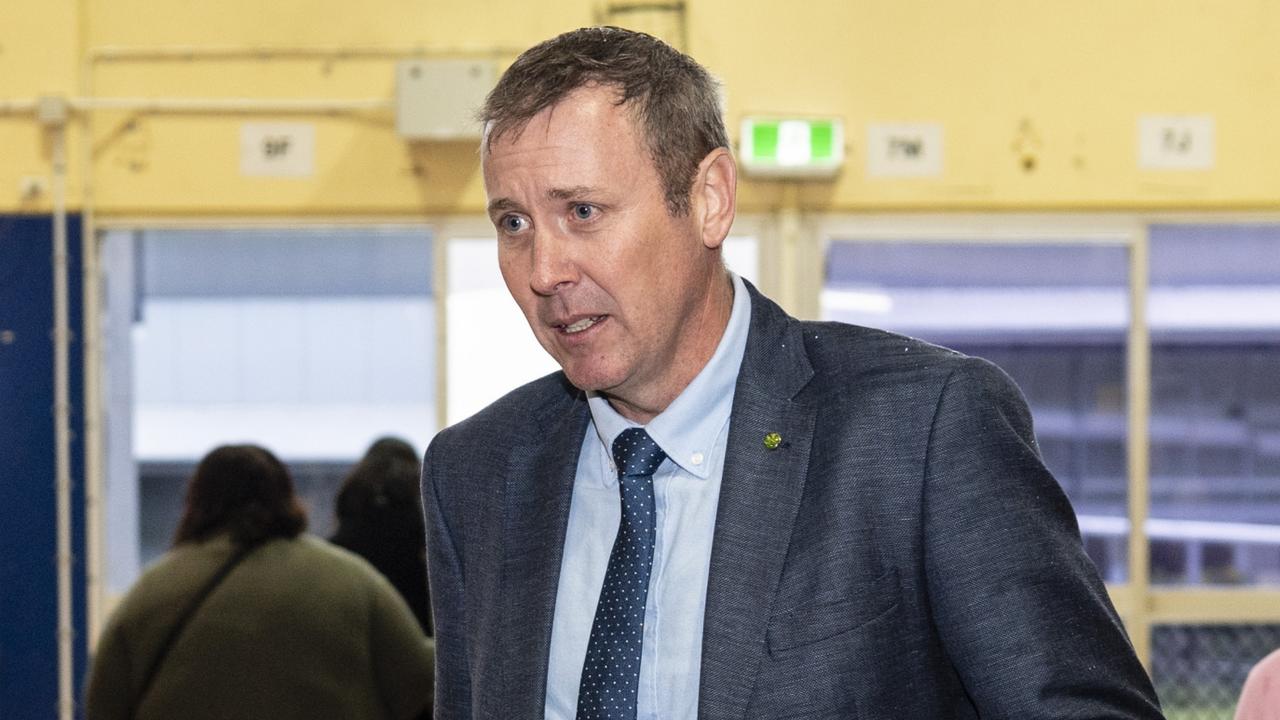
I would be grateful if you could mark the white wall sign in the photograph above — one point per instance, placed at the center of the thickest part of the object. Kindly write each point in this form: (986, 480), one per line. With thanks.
(906, 150)
(277, 149)
(1175, 142)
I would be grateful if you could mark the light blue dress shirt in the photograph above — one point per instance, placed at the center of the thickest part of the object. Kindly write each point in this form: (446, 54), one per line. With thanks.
(694, 432)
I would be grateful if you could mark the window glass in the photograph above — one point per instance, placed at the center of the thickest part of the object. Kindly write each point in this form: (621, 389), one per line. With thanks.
(310, 342)
(1215, 406)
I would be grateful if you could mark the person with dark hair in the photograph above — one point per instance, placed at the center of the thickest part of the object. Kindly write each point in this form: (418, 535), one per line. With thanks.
(379, 513)
(247, 617)
(243, 491)
(715, 510)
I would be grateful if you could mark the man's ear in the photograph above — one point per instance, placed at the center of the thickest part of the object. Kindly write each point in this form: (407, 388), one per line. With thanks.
(716, 188)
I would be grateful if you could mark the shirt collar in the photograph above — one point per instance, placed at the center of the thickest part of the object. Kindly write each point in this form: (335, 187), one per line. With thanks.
(688, 429)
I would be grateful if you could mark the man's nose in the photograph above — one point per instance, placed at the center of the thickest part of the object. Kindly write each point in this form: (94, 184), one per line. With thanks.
(553, 265)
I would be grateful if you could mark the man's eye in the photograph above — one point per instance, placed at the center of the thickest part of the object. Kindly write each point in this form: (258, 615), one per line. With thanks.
(513, 223)
(583, 211)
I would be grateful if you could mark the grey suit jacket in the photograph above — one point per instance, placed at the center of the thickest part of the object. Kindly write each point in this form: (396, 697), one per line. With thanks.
(903, 554)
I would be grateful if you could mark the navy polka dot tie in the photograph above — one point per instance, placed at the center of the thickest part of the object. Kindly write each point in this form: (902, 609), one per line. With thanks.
(611, 673)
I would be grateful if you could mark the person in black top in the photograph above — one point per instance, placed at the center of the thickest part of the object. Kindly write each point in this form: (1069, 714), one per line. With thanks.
(380, 518)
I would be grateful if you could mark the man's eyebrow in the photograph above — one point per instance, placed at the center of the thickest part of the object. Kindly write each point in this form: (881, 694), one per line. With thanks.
(501, 205)
(570, 193)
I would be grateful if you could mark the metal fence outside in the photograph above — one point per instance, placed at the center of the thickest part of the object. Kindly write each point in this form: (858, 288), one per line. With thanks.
(1198, 670)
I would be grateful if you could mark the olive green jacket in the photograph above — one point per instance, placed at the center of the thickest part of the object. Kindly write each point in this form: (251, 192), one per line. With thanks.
(299, 629)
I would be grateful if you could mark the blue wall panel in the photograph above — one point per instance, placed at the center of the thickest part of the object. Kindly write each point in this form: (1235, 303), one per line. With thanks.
(28, 540)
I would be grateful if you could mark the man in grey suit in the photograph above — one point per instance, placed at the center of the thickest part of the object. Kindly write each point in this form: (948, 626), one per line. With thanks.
(715, 510)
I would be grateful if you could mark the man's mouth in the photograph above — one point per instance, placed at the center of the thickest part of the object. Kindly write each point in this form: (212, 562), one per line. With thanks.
(580, 325)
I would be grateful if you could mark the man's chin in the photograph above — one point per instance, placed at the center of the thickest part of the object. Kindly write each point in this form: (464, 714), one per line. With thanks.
(592, 379)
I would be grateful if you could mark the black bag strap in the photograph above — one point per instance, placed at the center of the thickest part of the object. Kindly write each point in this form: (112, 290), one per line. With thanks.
(240, 554)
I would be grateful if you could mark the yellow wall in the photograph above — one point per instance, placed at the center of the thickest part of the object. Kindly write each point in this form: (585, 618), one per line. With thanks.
(37, 56)
(1073, 76)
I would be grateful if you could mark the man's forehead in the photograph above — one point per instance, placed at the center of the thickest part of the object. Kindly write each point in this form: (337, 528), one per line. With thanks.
(593, 100)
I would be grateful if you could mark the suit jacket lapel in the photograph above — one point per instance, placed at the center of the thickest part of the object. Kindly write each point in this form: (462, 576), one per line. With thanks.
(759, 498)
(539, 491)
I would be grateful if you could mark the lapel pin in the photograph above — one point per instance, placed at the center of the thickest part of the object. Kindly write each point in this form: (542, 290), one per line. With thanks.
(772, 441)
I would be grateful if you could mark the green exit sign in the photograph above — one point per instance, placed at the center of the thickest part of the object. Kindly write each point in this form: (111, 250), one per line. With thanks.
(787, 147)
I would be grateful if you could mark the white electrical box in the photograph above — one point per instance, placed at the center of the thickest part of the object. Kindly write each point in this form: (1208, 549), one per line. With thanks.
(438, 99)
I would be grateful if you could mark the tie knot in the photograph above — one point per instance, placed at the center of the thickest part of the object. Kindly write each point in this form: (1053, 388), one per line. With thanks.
(635, 453)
